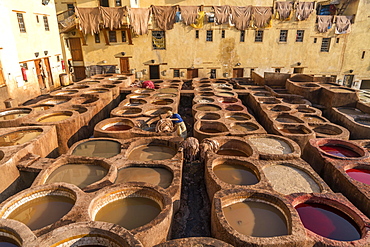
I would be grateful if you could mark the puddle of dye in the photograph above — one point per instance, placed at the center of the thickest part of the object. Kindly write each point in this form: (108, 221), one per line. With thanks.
(81, 175)
(231, 152)
(361, 175)
(244, 127)
(235, 174)
(130, 212)
(12, 116)
(152, 175)
(54, 118)
(256, 219)
(271, 145)
(19, 137)
(118, 127)
(42, 211)
(364, 122)
(294, 180)
(210, 117)
(7, 242)
(208, 108)
(98, 148)
(328, 222)
(339, 151)
(151, 152)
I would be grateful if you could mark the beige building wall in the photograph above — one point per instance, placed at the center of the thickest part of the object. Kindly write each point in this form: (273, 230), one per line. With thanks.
(19, 48)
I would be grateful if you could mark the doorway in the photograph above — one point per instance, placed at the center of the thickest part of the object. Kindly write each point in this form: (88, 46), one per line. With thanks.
(124, 65)
(40, 73)
(48, 71)
(154, 71)
(298, 71)
(76, 53)
(238, 72)
(192, 73)
(348, 79)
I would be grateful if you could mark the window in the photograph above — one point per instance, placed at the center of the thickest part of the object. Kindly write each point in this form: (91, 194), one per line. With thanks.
(104, 3)
(176, 73)
(22, 26)
(209, 36)
(300, 35)
(46, 23)
(71, 9)
(112, 36)
(252, 70)
(315, 40)
(58, 58)
(297, 70)
(258, 36)
(242, 36)
(283, 35)
(97, 37)
(213, 73)
(222, 34)
(337, 41)
(363, 55)
(124, 36)
(158, 40)
(325, 45)
(37, 19)
(118, 3)
(197, 34)
(277, 70)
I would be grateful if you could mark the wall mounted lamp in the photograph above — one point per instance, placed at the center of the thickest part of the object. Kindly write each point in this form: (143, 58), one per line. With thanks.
(37, 54)
(46, 53)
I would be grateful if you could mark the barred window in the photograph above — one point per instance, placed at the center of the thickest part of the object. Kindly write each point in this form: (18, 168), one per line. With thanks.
(46, 23)
(124, 36)
(283, 36)
(112, 36)
(325, 45)
(197, 34)
(222, 34)
(118, 3)
(97, 38)
(300, 35)
(277, 70)
(22, 26)
(242, 36)
(258, 36)
(209, 36)
(158, 40)
(176, 73)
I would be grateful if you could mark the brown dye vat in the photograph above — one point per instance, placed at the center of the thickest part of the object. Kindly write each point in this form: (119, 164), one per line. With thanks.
(285, 118)
(262, 94)
(233, 173)
(350, 111)
(268, 101)
(234, 147)
(225, 89)
(153, 175)
(224, 94)
(313, 119)
(97, 90)
(19, 137)
(42, 211)
(144, 91)
(78, 109)
(309, 85)
(54, 101)
(43, 107)
(8, 242)
(305, 110)
(54, 117)
(165, 95)
(279, 108)
(203, 100)
(205, 85)
(137, 96)
(157, 112)
(244, 127)
(97, 148)
(294, 100)
(206, 89)
(135, 102)
(238, 117)
(363, 121)
(327, 129)
(118, 127)
(271, 145)
(295, 130)
(14, 114)
(211, 94)
(162, 102)
(129, 212)
(234, 108)
(129, 111)
(80, 175)
(151, 152)
(213, 127)
(228, 100)
(207, 107)
(294, 180)
(77, 87)
(65, 92)
(256, 219)
(209, 116)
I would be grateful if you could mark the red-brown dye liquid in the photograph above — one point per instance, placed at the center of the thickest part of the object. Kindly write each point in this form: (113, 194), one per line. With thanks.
(339, 151)
(118, 127)
(361, 175)
(328, 222)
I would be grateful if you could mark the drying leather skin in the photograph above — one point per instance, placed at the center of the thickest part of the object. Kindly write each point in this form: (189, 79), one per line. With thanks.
(89, 19)
(241, 16)
(222, 14)
(189, 14)
(139, 19)
(304, 9)
(261, 16)
(113, 18)
(284, 9)
(343, 24)
(324, 22)
(164, 16)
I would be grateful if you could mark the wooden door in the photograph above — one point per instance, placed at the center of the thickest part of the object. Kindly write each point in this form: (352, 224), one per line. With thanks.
(76, 49)
(238, 72)
(79, 72)
(40, 74)
(192, 73)
(48, 71)
(154, 71)
(124, 65)
(347, 81)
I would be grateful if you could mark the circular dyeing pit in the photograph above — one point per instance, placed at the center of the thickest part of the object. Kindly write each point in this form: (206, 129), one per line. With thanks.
(328, 222)
(14, 114)
(268, 221)
(54, 117)
(9, 242)
(359, 174)
(151, 152)
(235, 172)
(238, 117)
(340, 151)
(152, 175)
(97, 148)
(271, 145)
(244, 127)
(19, 137)
(234, 147)
(294, 180)
(80, 175)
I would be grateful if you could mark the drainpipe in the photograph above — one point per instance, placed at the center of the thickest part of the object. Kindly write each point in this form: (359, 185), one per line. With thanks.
(342, 55)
